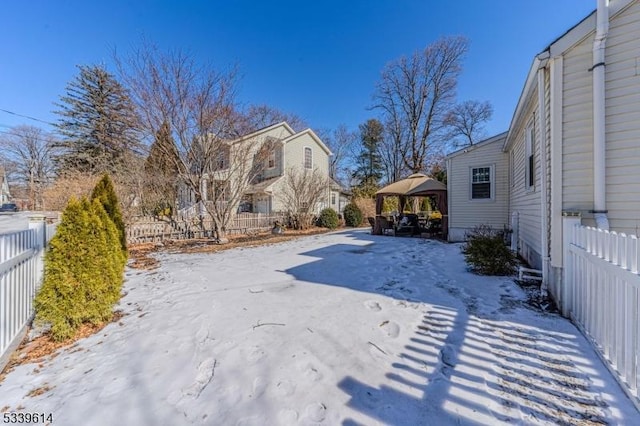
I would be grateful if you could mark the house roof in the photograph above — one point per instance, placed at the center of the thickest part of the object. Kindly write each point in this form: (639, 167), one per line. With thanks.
(313, 135)
(264, 186)
(558, 47)
(258, 132)
(497, 138)
(337, 187)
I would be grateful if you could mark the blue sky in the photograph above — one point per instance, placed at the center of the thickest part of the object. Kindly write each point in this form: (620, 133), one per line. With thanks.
(317, 59)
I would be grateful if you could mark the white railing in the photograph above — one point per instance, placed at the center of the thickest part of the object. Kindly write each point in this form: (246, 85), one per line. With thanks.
(602, 296)
(21, 267)
(149, 230)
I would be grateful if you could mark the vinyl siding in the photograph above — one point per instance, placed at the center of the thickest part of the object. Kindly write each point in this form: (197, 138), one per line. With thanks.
(465, 213)
(523, 200)
(622, 80)
(577, 130)
(294, 153)
(294, 158)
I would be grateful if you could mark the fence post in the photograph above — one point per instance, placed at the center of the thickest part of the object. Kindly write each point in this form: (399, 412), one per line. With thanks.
(570, 222)
(38, 223)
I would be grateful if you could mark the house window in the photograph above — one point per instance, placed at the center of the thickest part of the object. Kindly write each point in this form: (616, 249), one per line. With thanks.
(530, 165)
(271, 162)
(308, 158)
(221, 159)
(481, 183)
(333, 198)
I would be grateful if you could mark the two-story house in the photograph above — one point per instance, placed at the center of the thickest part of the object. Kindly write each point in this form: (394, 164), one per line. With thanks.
(287, 152)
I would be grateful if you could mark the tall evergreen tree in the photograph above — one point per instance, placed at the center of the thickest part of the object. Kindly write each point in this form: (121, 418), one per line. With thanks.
(369, 164)
(97, 122)
(161, 172)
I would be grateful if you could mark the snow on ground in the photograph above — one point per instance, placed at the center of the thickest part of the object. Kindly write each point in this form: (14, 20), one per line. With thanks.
(337, 329)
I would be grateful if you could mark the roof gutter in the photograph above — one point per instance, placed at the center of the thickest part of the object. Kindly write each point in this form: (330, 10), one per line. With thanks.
(599, 130)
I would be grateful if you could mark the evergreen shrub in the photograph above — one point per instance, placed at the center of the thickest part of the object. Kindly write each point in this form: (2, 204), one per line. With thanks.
(105, 192)
(328, 218)
(352, 215)
(83, 270)
(486, 252)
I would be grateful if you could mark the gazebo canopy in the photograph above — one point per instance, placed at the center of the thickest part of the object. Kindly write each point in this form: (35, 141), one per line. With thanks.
(428, 187)
(404, 186)
(416, 185)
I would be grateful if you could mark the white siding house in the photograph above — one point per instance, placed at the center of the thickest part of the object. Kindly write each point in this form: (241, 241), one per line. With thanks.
(573, 145)
(477, 187)
(291, 152)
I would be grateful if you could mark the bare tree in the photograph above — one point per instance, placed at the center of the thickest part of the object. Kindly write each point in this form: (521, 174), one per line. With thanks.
(417, 91)
(393, 150)
(259, 116)
(465, 122)
(30, 152)
(304, 190)
(342, 143)
(198, 103)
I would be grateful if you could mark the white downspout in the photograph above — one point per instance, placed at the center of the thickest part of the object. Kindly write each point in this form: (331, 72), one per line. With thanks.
(542, 129)
(599, 135)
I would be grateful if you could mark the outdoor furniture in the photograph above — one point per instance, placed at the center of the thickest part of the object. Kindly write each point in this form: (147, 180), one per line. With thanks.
(388, 226)
(434, 227)
(408, 225)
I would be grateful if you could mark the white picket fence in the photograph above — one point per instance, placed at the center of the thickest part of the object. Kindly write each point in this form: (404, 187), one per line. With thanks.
(21, 267)
(602, 296)
(149, 229)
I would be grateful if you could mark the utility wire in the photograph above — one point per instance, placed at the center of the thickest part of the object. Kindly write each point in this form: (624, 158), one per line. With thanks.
(26, 116)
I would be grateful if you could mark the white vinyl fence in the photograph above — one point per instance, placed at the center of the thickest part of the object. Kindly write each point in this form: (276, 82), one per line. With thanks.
(602, 296)
(149, 229)
(21, 266)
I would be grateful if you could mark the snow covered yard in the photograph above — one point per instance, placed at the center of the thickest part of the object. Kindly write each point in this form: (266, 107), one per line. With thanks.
(338, 329)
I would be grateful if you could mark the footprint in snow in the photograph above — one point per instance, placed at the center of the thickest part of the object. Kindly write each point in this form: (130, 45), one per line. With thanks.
(373, 305)
(310, 372)
(206, 370)
(259, 386)
(390, 328)
(316, 412)
(448, 357)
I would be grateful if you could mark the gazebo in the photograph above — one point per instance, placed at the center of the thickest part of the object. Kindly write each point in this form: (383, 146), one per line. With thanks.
(416, 185)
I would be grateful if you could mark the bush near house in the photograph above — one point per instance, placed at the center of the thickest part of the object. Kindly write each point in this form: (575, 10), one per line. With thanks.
(83, 270)
(352, 215)
(328, 218)
(486, 252)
